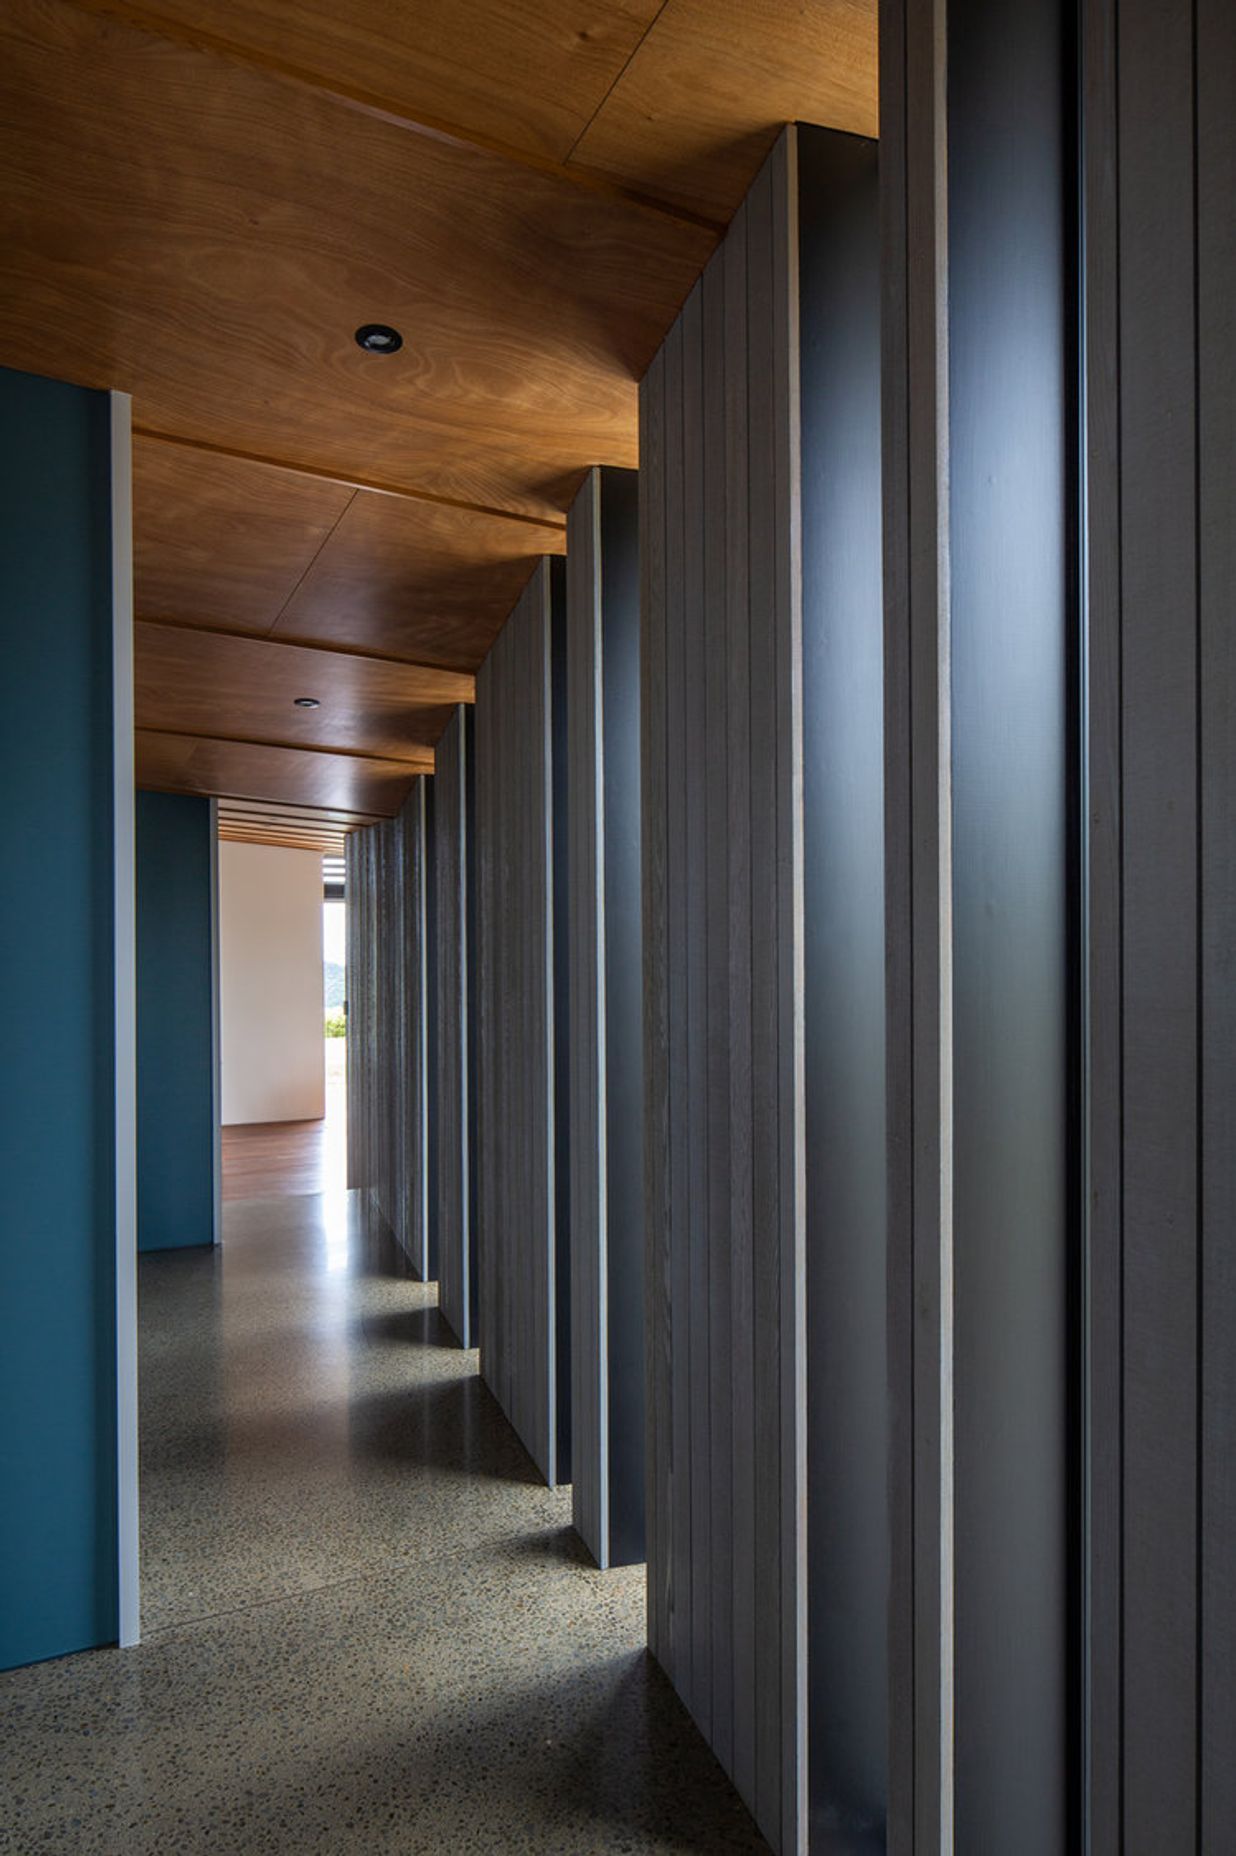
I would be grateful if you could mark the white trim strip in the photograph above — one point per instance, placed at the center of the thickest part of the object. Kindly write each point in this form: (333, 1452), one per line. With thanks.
(125, 929)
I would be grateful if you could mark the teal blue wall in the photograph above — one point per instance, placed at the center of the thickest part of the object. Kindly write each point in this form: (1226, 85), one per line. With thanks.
(176, 1111)
(58, 1558)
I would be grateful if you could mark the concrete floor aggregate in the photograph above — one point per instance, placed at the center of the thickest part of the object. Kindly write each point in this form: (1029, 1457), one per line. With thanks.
(367, 1626)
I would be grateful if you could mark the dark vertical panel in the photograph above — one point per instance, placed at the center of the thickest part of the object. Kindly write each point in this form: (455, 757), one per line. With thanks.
(429, 994)
(716, 1104)
(763, 1105)
(1216, 336)
(843, 863)
(590, 1478)
(791, 1117)
(605, 1065)
(1103, 1478)
(559, 995)
(654, 783)
(452, 1071)
(1012, 573)
(1160, 972)
(175, 1021)
(624, 1082)
(723, 977)
(674, 698)
(694, 1131)
(59, 1568)
(733, 264)
(519, 1175)
(388, 981)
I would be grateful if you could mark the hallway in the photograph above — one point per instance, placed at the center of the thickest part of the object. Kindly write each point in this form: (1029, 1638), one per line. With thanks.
(366, 1625)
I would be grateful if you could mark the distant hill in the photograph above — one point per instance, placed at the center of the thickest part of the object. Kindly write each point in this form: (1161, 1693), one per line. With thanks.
(335, 985)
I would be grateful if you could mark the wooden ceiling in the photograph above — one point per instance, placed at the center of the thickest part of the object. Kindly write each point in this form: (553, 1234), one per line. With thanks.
(201, 202)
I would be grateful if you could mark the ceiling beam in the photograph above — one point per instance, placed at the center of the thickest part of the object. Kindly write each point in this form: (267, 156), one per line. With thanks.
(460, 684)
(374, 484)
(421, 760)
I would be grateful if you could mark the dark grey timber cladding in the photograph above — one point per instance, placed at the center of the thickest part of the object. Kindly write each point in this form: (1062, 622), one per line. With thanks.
(388, 989)
(521, 1207)
(983, 825)
(722, 859)
(1160, 169)
(1014, 691)
(843, 868)
(454, 970)
(606, 1054)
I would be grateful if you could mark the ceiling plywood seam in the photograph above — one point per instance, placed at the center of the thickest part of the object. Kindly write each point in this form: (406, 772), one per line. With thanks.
(344, 478)
(420, 761)
(195, 792)
(327, 646)
(630, 59)
(311, 563)
(386, 110)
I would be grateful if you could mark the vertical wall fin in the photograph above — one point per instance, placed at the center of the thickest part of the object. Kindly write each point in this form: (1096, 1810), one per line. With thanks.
(1160, 276)
(389, 979)
(605, 1062)
(725, 1246)
(454, 1071)
(521, 1001)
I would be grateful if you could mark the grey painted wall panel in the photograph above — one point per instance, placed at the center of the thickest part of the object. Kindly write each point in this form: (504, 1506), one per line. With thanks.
(454, 969)
(523, 1269)
(722, 964)
(1216, 338)
(606, 1058)
(982, 824)
(388, 979)
(1161, 429)
(843, 866)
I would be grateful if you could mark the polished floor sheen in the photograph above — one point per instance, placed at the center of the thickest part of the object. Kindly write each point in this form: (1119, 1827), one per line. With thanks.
(366, 1627)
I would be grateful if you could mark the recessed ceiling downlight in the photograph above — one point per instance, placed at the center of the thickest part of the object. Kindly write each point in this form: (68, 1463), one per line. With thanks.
(306, 702)
(378, 338)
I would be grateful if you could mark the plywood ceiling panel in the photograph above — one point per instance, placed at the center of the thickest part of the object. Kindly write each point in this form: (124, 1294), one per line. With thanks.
(706, 94)
(201, 200)
(207, 683)
(210, 237)
(528, 75)
(290, 776)
(221, 540)
(415, 580)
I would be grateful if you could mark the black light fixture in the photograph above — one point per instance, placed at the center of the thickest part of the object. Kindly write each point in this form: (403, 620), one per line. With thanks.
(378, 338)
(306, 702)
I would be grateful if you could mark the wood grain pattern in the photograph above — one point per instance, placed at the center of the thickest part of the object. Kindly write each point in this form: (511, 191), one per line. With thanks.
(415, 580)
(724, 1129)
(289, 776)
(519, 1259)
(705, 96)
(222, 540)
(455, 1077)
(216, 257)
(204, 682)
(530, 79)
(301, 827)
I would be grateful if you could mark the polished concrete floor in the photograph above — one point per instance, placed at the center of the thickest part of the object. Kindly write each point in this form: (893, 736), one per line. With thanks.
(366, 1627)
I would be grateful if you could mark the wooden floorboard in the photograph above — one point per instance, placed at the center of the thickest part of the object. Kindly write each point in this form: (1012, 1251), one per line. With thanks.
(268, 1159)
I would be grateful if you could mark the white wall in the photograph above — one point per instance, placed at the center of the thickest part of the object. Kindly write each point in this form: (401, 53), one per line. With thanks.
(270, 945)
